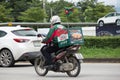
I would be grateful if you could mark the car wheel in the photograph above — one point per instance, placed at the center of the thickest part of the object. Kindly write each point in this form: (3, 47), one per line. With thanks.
(101, 23)
(118, 22)
(6, 58)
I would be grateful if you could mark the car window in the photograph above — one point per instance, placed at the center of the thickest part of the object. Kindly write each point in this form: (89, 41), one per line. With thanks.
(117, 14)
(25, 32)
(2, 33)
(110, 15)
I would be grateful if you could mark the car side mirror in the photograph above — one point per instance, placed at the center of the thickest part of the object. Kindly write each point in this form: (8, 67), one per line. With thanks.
(39, 35)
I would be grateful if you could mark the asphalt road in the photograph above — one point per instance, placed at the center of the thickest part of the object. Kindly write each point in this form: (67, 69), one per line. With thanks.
(89, 71)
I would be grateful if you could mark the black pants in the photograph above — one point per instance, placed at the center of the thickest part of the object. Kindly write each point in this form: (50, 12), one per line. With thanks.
(47, 51)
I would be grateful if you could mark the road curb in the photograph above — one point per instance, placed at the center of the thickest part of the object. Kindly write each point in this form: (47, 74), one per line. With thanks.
(106, 60)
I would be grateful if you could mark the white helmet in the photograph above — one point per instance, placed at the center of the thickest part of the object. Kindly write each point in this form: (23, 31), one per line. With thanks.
(55, 19)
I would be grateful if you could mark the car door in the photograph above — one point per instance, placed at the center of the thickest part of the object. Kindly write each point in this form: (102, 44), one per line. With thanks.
(109, 18)
(2, 34)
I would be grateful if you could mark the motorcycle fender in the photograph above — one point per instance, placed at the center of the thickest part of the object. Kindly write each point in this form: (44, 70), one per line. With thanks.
(79, 56)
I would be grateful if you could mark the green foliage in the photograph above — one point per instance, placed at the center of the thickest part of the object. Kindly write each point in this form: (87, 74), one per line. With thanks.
(57, 8)
(101, 47)
(85, 11)
(91, 10)
(102, 42)
(33, 14)
(35, 3)
(96, 12)
(100, 53)
(17, 6)
(59, 5)
(5, 14)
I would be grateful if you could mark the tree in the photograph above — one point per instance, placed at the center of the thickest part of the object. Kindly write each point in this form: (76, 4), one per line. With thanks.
(57, 7)
(17, 6)
(91, 10)
(20, 10)
(35, 3)
(33, 14)
(5, 14)
(93, 13)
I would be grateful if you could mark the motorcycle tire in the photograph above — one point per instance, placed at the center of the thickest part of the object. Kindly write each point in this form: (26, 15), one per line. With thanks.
(39, 68)
(77, 67)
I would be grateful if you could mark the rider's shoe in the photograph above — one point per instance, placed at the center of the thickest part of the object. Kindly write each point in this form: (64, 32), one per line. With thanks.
(49, 67)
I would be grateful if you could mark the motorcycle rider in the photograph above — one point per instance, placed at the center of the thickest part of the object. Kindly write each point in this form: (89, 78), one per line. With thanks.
(51, 40)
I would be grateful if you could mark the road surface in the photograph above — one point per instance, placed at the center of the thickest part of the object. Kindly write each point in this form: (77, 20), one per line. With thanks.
(89, 71)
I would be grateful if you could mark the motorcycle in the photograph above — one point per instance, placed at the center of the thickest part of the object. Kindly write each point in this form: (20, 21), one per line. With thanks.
(65, 60)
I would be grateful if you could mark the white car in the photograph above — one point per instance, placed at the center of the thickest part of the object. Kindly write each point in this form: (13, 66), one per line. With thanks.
(18, 44)
(111, 18)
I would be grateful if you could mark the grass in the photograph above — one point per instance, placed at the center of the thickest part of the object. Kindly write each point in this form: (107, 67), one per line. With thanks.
(100, 52)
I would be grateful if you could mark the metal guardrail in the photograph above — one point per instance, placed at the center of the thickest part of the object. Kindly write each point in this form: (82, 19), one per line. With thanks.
(35, 24)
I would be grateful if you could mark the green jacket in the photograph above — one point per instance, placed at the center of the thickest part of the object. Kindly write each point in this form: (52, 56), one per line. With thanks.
(51, 36)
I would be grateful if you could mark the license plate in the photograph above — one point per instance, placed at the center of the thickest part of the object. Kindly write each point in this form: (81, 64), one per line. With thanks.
(79, 56)
(36, 43)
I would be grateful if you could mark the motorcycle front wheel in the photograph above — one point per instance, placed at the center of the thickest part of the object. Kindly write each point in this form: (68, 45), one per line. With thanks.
(39, 68)
(77, 67)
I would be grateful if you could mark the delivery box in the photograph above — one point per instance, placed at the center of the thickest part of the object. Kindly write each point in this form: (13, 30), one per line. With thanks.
(70, 36)
(76, 36)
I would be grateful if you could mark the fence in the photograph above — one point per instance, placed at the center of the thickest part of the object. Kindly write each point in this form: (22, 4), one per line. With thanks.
(89, 28)
(86, 24)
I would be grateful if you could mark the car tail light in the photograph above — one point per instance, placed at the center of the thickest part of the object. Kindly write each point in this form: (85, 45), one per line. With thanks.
(28, 29)
(21, 40)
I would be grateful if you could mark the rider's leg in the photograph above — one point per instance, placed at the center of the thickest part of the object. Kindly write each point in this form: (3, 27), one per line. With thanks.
(47, 55)
(47, 52)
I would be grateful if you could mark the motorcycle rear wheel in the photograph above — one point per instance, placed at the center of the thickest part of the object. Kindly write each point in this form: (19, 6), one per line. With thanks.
(39, 68)
(77, 67)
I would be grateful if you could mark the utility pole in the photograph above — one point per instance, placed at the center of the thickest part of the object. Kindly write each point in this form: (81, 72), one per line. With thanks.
(51, 12)
(44, 1)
